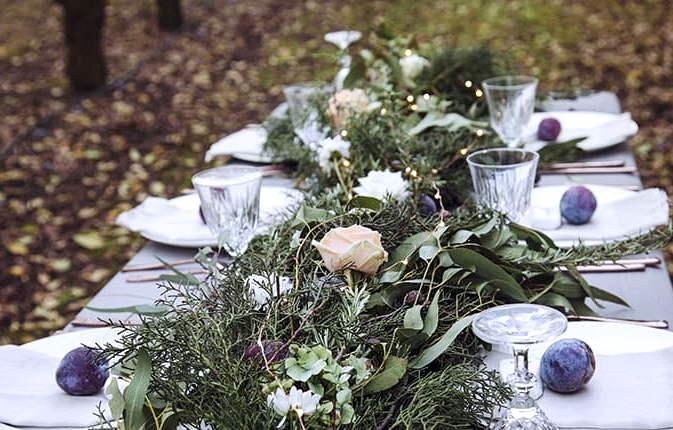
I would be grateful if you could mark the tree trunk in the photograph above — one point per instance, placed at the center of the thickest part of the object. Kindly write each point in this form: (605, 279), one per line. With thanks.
(170, 14)
(83, 28)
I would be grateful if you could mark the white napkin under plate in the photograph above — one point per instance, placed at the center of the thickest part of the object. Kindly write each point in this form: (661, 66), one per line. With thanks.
(620, 213)
(30, 397)
(177, 221)
(627, 391)
(246, 144)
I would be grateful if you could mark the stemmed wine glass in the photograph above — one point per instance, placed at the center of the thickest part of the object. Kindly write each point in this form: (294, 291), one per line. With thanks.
(342, 39)
(519, 326)
(511, 102)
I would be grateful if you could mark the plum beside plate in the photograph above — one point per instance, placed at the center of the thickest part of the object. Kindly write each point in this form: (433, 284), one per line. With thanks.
(602, 130)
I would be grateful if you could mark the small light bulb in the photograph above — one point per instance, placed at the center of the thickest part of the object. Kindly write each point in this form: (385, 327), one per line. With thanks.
(468, 84)
(463, 151)
(410, 98)
(414, 107)
(345, 163)
(344, 133)
(478, 93)
(480, 132)
(407, 52)
(383, 111)
(426, 96)
(407, 170)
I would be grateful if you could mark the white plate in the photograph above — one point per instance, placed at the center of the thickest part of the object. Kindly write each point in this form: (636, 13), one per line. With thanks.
(620, 213)
(60, 344)
(602, 130)
(245, 144)
(273, 202)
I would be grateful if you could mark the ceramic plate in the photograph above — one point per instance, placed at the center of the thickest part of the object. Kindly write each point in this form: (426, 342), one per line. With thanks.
(58, 345)
(273, 202)
(601, 130)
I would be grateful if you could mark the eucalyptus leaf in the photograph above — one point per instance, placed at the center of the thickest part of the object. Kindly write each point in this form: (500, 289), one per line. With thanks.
(134, 394)
(153, 310)
(413, 318)
(366, 202)
(488, 270)
(394, 369)
(431, 353)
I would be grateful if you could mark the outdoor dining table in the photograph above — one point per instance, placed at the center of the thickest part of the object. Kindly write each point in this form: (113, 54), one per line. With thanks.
(648, 292)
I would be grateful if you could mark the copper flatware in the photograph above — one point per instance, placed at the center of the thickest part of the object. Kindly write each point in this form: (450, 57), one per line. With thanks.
(154, 266)
(589, 170)
(90, 322)
(154, 278)
(662, 324)
(587, 164)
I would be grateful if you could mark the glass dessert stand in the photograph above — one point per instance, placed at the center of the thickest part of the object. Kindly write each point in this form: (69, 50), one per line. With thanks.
(519, 326)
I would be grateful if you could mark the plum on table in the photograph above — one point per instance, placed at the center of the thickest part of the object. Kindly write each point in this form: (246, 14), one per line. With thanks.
(578, 204)
(81, 372)
(549, 129)
(567, 365)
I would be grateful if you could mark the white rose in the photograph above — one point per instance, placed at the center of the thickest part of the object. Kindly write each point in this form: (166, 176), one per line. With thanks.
(383, 184)
(355, 247)
(412, 65)
(330, 148)
(262, 287)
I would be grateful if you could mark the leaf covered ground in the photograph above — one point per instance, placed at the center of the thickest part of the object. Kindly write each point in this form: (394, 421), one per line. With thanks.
(71, 163)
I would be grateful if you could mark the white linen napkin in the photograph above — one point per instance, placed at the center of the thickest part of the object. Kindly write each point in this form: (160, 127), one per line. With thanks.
(627, 391)
(158, 219)
(616, 130)
(610, 130)
(30, 397)
(246, 144)
(634, 214)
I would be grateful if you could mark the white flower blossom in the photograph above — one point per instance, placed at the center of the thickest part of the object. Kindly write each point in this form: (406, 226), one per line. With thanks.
(412, 65)
(260, 286)
(330, 147)
(383, 184)
(298, 401)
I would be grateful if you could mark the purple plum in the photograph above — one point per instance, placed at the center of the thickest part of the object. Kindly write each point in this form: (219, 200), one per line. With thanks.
(567, 365)
(81, 372)
(548, 129)
(578, 204)
(426, 205)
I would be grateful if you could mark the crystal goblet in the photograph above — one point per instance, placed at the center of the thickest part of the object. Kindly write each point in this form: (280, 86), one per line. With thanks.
(519, 326)
(342, 39)
(304, 101)
(511, 102)
(503, 179)
(229, 198)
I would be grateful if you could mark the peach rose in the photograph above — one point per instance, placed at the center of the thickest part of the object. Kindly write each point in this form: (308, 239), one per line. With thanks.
(345, 104)
(355, 247)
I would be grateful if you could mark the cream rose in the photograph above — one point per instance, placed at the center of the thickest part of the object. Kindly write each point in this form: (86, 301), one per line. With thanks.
(355, 247)
(346, 103)
(412, 65)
